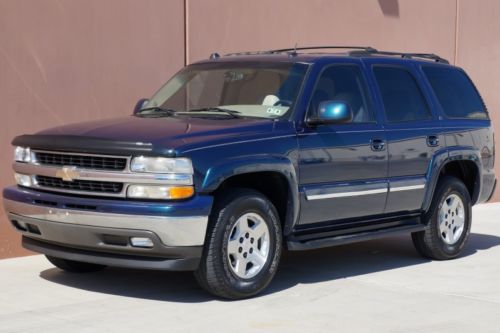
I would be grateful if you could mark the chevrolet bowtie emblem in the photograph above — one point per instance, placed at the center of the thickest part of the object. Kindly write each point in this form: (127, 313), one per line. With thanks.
(67, 173)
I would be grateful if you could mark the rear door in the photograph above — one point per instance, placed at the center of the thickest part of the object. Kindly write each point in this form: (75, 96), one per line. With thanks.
(412, 129)
(342, 167)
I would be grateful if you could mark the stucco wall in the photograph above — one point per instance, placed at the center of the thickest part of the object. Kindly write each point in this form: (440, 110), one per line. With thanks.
(68, 61)
(72, 60)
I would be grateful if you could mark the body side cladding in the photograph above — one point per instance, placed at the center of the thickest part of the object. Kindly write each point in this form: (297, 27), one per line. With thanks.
(221, 172)
(439, 161)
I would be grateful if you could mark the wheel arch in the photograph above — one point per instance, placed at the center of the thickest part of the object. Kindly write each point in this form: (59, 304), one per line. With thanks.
(463, 163)
(269, 175)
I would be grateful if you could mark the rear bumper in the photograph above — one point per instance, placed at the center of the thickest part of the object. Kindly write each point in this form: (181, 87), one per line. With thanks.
(100, 230)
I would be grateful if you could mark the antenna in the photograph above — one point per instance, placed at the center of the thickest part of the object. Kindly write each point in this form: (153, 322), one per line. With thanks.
(293, 52)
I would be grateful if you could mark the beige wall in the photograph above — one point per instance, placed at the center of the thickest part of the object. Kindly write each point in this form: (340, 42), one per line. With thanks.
(478, 52)
(71, 60)
(67, 61)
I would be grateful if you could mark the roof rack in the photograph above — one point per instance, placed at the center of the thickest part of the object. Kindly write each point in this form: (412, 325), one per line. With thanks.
(354, 51)
(294, 50)
(429, 56)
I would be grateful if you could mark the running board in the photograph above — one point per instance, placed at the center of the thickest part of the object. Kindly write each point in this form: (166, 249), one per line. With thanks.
(312, 244)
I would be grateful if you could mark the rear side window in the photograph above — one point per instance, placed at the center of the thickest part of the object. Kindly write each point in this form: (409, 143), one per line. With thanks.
(403, 99)
(455, 92)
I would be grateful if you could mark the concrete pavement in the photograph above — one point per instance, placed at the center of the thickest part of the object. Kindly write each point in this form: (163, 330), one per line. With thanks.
(375, 286)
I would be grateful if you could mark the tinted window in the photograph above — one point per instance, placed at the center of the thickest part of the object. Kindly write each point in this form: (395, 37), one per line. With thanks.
(455, 92)
(344, 83)
(403, 99)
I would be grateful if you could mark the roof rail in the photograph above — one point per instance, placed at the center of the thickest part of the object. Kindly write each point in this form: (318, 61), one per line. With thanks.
(364, 48)
(294, 50)
(407, 55)
(354, 51)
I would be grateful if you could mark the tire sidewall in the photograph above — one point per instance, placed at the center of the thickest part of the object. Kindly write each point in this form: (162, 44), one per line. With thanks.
(452, 186)
(226, 220)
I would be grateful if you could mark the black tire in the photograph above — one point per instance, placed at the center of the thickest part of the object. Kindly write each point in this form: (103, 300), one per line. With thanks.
(429, 242)
(214, 273)
(74, 266)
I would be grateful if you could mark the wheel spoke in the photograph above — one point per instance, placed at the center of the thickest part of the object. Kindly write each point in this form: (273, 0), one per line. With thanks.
(459, 221)
(258, 259)
(449, 236)
(232, 246)
(259, 230)
(236, 232)
(459, 231)
(241, 267)
(446, 205)
(443, 227)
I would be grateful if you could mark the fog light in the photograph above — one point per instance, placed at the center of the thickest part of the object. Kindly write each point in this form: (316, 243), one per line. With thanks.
(159, 192)
(19, 225)
(23, 180)
(141, 242)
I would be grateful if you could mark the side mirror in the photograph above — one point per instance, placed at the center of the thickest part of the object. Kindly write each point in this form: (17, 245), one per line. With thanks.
(140, 104)
(332, 112)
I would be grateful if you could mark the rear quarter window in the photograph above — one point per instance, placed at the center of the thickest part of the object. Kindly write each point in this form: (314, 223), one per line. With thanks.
(455, 92)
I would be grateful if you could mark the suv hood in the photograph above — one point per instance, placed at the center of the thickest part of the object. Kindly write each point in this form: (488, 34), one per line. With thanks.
(161, 134)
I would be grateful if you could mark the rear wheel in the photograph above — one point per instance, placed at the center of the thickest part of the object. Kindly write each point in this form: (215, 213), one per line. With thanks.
(74, 266)
(243, 246)
(448, 221)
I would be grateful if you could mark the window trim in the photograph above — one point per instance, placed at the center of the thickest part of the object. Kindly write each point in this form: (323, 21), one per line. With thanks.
(370, 98)
(419, 86)
(438, 102)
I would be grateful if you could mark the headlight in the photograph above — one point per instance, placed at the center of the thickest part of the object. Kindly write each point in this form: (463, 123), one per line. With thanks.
(22, 154)
(161, 165)
(23, 180)
(159, 192)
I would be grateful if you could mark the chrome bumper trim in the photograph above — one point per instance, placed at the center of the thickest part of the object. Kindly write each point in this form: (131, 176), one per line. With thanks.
(173, 231)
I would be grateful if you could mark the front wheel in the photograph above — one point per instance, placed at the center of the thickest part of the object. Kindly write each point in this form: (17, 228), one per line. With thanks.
(448, 221)
(243, 245)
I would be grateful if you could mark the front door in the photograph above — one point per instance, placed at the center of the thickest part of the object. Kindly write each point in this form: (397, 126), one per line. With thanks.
(343, 167)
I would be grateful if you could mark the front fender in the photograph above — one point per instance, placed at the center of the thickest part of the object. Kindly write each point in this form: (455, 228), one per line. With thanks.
(443, 157)
(224, 170)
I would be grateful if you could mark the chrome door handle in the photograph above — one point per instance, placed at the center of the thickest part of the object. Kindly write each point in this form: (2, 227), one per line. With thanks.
(432, 141)
(377, 144)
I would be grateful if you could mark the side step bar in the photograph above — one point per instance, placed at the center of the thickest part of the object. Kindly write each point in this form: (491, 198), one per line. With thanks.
(352, 238)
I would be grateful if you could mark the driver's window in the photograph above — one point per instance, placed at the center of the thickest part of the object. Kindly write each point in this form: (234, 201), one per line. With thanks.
(343, 83)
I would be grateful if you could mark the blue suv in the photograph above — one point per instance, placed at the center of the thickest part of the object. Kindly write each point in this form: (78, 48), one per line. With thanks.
(238, 157)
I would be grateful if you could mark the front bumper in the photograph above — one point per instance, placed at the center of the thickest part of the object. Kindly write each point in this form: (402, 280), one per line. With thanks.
(99, 230)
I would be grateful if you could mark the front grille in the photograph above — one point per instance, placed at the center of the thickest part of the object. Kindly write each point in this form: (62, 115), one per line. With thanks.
(79, 185)
(82, 161)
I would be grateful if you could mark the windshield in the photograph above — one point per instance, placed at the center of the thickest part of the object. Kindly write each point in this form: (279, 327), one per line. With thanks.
(225, 89)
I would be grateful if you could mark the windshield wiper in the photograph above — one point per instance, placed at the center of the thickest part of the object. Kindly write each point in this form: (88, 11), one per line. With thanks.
(158, 112)
(233, 113)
